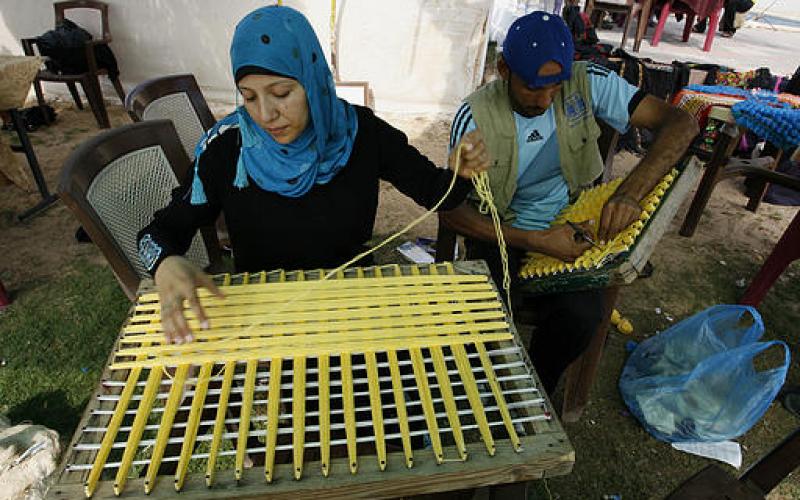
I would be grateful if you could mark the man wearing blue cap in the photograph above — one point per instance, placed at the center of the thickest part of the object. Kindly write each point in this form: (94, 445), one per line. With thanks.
(538, 124)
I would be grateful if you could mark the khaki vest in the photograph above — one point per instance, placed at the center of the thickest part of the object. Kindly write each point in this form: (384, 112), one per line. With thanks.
(576, 129)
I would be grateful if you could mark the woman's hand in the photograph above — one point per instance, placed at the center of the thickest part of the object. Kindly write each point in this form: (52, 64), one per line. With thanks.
(177, 280)
(474, 155)
(562, 241)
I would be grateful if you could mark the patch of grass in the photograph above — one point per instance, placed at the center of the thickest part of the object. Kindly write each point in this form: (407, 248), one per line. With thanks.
(55, 339)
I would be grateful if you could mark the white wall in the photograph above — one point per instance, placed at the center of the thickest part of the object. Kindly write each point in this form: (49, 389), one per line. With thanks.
(417, 55)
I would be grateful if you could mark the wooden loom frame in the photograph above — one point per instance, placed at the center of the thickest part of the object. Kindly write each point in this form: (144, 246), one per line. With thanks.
(546, 452)
(625, 268)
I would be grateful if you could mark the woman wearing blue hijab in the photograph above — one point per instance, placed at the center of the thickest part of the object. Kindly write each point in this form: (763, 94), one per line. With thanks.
(295, 170)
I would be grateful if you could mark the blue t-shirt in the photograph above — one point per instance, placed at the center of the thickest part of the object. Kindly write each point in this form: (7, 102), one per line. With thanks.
(542, 191)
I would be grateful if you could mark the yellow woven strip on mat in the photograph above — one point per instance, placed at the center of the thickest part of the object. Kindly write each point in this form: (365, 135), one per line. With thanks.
(421, 375)
(192, 424)
(470, 385)
(589, 205)
(222, 408)
(111, 432)
(400, 404)
(232, 327)
(440, 367)
(271, 297)
(219, 423)
(445, 389)
(258, 314)
(323, 377)
(137, 428)
(498, 395)
(244, 416)
(165, 426)
(394, 337)
(312, 349)
(298, 413)
(376, 407)
(471, 388)
(349, 410)
(346, 284)
(273, 416)
(399, 400)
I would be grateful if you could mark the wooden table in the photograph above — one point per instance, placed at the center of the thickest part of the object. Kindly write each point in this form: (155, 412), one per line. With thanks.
(16, 75)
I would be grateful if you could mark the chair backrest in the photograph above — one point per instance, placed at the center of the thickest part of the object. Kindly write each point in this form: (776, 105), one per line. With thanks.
(115, 181)
(61, 7)
(177, 98)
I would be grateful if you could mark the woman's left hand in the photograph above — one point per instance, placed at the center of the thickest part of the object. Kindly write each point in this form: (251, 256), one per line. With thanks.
(474, 155)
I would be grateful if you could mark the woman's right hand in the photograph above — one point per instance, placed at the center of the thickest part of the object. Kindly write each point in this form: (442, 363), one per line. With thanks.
(177, 280)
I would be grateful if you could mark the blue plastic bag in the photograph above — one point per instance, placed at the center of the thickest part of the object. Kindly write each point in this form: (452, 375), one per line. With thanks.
(696, 381)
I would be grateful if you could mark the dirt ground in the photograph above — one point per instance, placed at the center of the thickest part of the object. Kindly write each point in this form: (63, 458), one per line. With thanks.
(39, 249)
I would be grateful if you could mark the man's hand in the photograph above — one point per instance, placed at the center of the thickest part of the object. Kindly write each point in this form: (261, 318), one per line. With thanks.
(561, 241)
(618, 213)
(474, 155)
(177, 280)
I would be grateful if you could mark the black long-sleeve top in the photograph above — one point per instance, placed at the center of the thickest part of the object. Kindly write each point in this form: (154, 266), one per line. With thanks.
(323, 228)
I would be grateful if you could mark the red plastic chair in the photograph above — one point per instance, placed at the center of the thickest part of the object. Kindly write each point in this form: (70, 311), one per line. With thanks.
(691, 9)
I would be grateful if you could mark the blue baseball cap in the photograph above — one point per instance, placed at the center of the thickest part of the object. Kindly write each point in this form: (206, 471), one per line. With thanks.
(535, 39)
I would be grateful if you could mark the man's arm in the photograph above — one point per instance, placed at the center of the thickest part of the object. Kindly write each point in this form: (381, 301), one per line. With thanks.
(674, 130)
(558, 241)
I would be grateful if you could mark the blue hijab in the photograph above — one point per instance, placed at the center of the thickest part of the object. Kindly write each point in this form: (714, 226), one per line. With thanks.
(281, 40)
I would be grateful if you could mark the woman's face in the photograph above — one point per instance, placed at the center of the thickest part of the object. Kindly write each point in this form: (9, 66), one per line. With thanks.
(277, 104)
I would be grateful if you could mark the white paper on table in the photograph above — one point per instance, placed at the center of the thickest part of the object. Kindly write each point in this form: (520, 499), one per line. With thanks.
(725, 451)
(415, 253)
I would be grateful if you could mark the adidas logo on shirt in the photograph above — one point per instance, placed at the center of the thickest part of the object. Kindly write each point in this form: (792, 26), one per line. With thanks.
(534, 136)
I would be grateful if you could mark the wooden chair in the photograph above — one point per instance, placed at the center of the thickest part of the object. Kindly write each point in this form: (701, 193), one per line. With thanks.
(88, 80)
(115, 181)
(630, 8)
(757, 481)
(580, 375)
(671, 6)
(177, 98)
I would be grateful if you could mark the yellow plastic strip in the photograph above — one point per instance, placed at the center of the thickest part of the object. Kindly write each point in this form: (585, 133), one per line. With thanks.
(399, 399)
(349, 410)
(400, 404)
(440, 367)
(152, 311)
(273, 415)
(257, 314)
(192, 424)
(111, 431)
(324, 414)
(445, 389)
(498, 396)
(244, 416)
(470, 385)
(219, 423)
(315, 348)
(471, 388)
(298, 413)
(427, 403)
(150, 299)
(137, 428)
(376, 407)
(332, 332)
(224, 327)
(165, 427)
